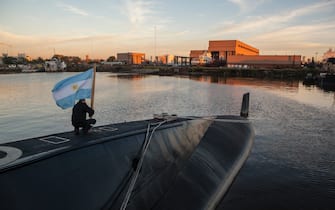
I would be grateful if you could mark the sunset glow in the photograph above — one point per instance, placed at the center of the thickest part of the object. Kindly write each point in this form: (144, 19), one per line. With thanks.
(103, 28)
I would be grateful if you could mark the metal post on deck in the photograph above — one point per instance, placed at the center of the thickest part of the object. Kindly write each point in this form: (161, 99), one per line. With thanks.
(245, 105)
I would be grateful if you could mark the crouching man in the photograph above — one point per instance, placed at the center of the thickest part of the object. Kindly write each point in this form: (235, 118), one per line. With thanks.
(79, 117)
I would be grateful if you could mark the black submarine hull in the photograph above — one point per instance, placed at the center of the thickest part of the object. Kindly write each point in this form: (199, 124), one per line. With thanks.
(189, 164)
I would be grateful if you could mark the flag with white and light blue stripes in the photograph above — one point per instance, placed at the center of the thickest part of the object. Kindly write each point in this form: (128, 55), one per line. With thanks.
(76, 87)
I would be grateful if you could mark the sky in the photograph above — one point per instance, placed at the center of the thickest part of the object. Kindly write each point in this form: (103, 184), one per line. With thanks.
(103, 28)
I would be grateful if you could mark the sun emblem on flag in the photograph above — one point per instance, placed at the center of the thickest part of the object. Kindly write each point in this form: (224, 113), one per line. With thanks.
(74, 87)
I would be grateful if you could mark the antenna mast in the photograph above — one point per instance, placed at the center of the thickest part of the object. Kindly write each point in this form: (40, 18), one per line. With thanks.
(155, 46)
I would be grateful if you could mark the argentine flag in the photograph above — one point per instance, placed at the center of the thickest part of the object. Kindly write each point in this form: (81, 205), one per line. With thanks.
(76, 87)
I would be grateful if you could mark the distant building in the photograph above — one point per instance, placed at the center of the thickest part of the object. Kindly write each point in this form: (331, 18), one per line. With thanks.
(21, 55)
(329, 64)
(54, 65)
(111, 63)
(234, 53)
(166, 59)
(199, 57)
(131, 58)
(174, 60)
(271, 61)
(329, 54)
(220, 49)
(28, 58)
(197, 53)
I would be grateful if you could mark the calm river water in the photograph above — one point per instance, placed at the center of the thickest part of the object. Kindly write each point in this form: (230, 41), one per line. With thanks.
(292, 164)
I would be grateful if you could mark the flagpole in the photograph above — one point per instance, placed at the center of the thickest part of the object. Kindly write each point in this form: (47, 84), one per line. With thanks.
(93, 85)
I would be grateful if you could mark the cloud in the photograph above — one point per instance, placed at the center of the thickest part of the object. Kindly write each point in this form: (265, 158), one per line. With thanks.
(23, 41)
(301, 33)
(93, 45)
(52, 39)
(8, 37)
(5, 44)
(302, 39)
(182, 33)
(73, 9)
(247, 5)
(307, 10)
(87, 39)
(261, 23)
(138, 11)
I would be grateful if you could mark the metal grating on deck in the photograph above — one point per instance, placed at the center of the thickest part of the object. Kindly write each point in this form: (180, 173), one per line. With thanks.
(104, 129)
(54, 139)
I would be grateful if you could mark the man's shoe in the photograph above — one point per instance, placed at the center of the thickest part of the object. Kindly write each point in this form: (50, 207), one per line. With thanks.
(85, 130)
(76, 131)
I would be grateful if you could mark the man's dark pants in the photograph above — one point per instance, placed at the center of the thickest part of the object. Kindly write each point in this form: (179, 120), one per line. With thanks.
(86, 125)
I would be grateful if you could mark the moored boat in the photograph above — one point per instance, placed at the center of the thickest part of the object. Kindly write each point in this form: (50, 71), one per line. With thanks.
(309, 79)
(326, 81)
(167, 162)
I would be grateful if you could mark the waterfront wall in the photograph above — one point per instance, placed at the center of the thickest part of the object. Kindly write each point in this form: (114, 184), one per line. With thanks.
(265, 60)
(282, 73)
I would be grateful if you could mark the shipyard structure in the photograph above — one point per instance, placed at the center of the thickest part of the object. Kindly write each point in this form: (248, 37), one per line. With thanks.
(234, 53)
(136, 58)
(229, 53)
(131, 57)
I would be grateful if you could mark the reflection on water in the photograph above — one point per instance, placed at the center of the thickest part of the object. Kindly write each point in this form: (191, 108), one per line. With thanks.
(293, 89)
(245, 81)
(128, 76)
(292, 162)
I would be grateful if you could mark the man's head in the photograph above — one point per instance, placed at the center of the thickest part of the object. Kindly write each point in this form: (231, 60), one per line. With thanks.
(82, 100)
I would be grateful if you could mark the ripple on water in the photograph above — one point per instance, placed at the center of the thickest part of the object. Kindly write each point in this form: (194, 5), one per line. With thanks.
(291, 165)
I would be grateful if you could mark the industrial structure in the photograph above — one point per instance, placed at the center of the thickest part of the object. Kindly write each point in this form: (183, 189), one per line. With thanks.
(173, 60)
(131, 58)
(329, 54)
(271, 61)
(220, 49)
(234, 53)
(55, 64)
(166, 59)
(200, 57)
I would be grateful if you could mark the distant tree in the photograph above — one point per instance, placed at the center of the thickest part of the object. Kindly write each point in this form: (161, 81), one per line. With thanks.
(65, 59)
(39, 60)
(22, 60)
(76, 60)
(71, 59)
(59, 57)
(111, 59)
(10, 60)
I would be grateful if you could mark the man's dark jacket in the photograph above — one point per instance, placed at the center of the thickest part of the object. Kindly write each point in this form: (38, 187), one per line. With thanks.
(79, 113)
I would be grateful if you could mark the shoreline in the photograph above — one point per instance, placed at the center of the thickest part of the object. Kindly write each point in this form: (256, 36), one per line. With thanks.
(282, 73)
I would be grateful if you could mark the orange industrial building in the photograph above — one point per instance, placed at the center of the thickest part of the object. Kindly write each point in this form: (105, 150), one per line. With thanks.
(197, 53)
(166, 59)
(272, 61)
(220, 49)
(131, 58)
(235, 53)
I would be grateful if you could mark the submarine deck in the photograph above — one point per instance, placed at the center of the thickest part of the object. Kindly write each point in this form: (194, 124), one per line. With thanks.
(190, 164)
(13, 154)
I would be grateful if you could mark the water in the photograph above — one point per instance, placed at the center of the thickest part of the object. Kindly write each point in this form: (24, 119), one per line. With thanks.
(291, 166)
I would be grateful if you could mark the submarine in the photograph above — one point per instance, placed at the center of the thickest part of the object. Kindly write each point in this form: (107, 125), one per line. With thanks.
(167, 162)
